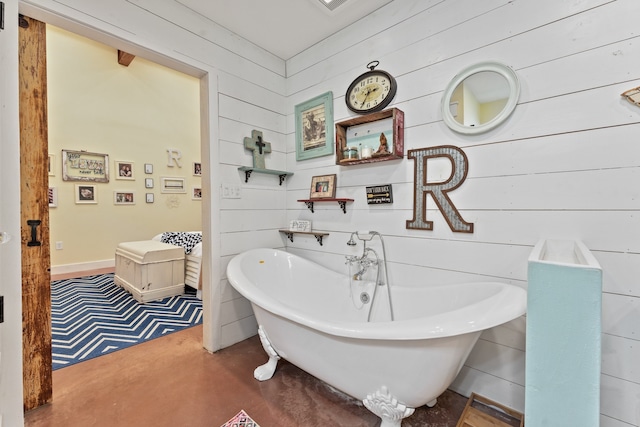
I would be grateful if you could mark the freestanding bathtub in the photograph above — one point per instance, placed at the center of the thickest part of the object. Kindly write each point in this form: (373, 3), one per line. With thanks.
(307, 316)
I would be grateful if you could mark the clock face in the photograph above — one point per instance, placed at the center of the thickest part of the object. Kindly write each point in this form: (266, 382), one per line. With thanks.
(371, 91)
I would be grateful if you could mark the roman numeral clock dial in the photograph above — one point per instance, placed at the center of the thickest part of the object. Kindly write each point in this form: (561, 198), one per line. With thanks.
(371, 91)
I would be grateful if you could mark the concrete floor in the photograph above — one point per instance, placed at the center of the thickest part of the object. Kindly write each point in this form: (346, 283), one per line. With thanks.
(172, 381)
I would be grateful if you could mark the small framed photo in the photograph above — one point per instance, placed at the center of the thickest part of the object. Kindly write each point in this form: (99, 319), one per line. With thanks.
(52, 160)
(172, 185)
(149, 197)
(323, 187)
(148, 183)
(124, 198)
(86, 194)
(124, 170)
(148, 168)
(314, 127)
(196, 193)
(53, 197)
(197, 169)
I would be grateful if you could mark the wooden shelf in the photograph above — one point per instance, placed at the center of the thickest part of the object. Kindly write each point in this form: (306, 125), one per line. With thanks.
(248, 169)
(363, 125)
(341, 202)
(318, 234)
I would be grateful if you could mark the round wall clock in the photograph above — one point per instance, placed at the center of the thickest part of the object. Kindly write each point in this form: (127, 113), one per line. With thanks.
(371, 91)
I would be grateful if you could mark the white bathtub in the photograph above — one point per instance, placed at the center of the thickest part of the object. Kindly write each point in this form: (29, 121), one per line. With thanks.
(306, 315)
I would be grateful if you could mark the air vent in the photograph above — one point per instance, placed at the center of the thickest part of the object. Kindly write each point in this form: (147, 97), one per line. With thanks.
(332, 4)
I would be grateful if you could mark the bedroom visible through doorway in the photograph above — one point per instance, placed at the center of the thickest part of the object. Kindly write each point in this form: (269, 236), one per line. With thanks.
(68, 196)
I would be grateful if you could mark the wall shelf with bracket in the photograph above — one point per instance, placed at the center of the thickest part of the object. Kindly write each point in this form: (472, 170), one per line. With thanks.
(318, 234)
(248, 169)
(341, 202)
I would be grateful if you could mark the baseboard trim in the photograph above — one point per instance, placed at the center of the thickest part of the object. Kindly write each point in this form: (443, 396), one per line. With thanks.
(83, 266)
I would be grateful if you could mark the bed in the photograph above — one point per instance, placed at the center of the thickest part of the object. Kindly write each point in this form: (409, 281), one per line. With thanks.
(191, 241)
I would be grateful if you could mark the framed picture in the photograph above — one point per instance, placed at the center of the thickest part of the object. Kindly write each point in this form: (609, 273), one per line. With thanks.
(53, 197)
(149, 197)
(314, 127)
(52, 159)
(86, 194)
(196, 193)
(84, 166)
(124, 170)
(172, 185)
(148, 168)
(323, 187)
(197, 169)
(124, 198)
(148, 183)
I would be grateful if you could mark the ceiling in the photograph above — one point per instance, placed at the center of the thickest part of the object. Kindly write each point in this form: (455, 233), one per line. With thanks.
(283, 27)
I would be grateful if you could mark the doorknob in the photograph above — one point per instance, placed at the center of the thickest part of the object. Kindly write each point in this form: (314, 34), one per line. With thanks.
(4, 237)
(34, 223)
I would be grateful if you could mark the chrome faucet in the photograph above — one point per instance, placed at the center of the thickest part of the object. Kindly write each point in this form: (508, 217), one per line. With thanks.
(365, 262)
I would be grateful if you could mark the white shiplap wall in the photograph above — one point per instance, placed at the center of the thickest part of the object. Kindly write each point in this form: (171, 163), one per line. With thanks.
(565, 165)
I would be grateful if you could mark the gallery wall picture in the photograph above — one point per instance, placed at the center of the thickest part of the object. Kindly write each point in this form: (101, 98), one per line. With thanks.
(124, 170)
(124, 197)
(86, 194)
(84, 166)
(172, 185)
(53, 197)
(196, 193)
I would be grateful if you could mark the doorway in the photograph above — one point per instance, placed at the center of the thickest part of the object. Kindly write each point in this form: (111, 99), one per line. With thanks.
(208, 84)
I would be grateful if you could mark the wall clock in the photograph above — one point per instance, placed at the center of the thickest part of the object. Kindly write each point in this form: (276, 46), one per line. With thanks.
(371, 91)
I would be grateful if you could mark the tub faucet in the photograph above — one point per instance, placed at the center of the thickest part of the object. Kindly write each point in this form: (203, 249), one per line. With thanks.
(365, 262)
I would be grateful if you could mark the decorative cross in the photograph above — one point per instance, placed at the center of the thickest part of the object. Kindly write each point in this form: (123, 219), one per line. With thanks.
(259, 148)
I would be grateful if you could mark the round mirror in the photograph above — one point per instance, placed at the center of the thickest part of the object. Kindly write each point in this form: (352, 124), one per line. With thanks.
(480, 97)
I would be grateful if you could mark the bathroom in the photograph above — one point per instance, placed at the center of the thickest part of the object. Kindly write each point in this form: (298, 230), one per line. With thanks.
(561, 166)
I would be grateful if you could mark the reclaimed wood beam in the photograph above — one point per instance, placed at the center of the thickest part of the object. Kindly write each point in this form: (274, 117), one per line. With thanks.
(125, 58)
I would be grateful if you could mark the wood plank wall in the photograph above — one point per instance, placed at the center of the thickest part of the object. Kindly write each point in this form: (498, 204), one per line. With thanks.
(563, 166)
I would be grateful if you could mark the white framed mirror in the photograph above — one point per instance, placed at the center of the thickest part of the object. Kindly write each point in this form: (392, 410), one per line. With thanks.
(480, 97)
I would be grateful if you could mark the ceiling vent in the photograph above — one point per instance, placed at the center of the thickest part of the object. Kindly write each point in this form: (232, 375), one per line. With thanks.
(332, 4)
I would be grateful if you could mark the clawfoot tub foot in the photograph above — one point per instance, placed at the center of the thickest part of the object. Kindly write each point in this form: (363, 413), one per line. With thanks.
(387, 407)
(432, 403)
(266, 371)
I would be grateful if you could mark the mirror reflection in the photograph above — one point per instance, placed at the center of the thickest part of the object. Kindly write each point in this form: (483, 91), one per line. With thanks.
(479, 98)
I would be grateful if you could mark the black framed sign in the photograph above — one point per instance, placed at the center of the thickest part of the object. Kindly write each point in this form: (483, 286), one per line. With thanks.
(378, 194)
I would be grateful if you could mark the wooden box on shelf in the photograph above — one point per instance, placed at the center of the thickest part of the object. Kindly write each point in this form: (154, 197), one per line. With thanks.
(373, 138)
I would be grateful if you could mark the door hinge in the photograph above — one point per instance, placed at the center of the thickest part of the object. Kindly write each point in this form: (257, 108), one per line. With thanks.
(1, 15)
(1, 309)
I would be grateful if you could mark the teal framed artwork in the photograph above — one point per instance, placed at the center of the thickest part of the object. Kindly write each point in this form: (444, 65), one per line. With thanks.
(314, 127)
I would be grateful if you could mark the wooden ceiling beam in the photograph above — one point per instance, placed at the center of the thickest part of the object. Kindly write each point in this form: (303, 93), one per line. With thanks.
(125, 58)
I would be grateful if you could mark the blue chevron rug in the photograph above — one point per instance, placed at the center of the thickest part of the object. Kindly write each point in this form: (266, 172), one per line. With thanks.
(92, 316)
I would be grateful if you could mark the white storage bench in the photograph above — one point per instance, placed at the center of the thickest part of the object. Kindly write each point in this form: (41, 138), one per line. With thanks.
(150, 270)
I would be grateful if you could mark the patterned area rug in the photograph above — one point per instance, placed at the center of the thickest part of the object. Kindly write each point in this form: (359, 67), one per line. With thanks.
(92, 316)
(240, 420)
